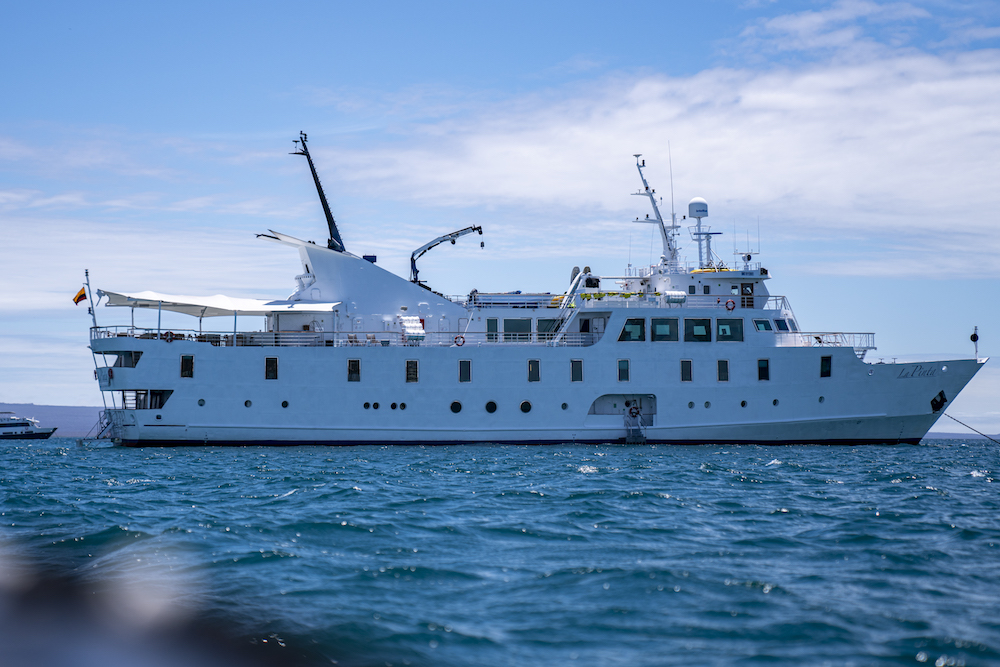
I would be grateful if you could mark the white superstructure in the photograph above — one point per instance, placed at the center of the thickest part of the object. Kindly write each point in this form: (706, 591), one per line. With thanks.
(666, 353)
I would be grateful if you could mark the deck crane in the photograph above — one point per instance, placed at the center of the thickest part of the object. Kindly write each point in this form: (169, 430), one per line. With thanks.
(419, 252)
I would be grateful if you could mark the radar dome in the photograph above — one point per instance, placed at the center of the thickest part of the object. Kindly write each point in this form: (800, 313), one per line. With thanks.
(698, 208)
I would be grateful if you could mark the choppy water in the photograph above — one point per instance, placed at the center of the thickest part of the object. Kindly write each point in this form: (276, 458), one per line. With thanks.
(563, 555)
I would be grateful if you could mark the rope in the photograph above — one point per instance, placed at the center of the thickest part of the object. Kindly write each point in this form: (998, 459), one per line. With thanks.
(972, 429)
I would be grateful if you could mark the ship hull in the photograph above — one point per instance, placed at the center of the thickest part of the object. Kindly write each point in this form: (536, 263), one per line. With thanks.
(43, 434)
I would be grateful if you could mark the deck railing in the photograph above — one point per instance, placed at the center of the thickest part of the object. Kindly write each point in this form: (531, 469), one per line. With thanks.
(346, 339)
(861, 342)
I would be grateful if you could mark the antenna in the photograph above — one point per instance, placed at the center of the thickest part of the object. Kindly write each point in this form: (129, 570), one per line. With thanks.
(670, 162)
(335, 242)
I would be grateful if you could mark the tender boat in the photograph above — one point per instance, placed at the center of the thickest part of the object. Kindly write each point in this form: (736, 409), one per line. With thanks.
(669, 353)
(13, 427)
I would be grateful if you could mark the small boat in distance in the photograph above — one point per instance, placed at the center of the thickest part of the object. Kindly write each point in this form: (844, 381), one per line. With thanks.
(13, 427)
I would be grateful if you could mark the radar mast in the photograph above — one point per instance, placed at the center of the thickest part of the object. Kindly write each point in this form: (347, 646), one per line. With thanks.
(335, 242)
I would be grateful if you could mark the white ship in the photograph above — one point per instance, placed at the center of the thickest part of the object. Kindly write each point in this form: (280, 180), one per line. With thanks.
(668, 353)
(13, 427)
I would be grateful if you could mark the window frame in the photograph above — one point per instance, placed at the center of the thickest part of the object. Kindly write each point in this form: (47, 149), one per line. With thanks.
(413, 378)
(465, 364)
(763, 370)
(355, 375)
(730, 322)
(688, 365)
(534, 372)
(631, 321)
(670, 337)
(574, 365)
(767, 325)
(826, 366)
(190, 370)
(624, 370)
(781, 322)
(267, 369)
(722, 370)
(690, 336)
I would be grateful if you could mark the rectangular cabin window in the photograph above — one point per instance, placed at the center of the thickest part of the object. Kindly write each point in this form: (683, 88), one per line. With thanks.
(729, 330)
(465, 370)
(723, 370)
(825, 366)
(517, 329)
(734, 290)
(411, 370)
(663, 328)
(698, 330)
(623, 370)
(547, 328)
(634, 329)
(576, 370)
(691, 289)
(270, 368)
(762, 325)
(491, 329)
(781, 324)
(354, 370)
(763, 369)
(187, 365)
(707, 289)
(534, 372)
(686, 370)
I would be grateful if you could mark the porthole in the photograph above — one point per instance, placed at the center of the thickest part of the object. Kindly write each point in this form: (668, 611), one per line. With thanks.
(367, 405)
(774, 402)
(456, 407)
(284, 404)
(565, 405)
(743, 404)
(628, 403)
(690, 404)
(393, 406)
(525, 406)
(871, 371)
(201, 401)
(944, 369)
(247, 403)
(821, 399)
(159, 416)
(491, 407)
(402, 406)
(707, 404)
(375, 406)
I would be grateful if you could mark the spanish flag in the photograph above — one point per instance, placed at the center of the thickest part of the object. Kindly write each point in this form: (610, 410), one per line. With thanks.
(80, 296)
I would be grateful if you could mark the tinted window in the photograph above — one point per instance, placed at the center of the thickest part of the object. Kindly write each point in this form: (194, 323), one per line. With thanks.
(465, 370)
(762, 325)
(825, 366)
(517, 329)
(411, 370)
(271, 368)
(763, 369)
(491, 329)
(546, 328)
(781, 324)
(664, 329)
(685, 370)
(534, 374)
(634, 329)
(723, 370)
(354, 370)
(698, 330)
(187, 366)
(690, 289)
(729, 329)
(576, 370)
(623, 370)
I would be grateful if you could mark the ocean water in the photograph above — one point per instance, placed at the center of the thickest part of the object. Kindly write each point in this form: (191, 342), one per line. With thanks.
(549, 555)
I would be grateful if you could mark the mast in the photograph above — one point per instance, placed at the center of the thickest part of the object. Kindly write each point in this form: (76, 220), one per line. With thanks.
(335, 242)
(666, 233)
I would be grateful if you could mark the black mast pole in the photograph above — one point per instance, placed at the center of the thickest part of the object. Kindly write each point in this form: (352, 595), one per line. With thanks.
(335, 242)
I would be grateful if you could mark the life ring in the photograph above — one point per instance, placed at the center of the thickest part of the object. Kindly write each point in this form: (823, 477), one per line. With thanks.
(169, 336)
(730, 305)
(633, 411)
(459, 340)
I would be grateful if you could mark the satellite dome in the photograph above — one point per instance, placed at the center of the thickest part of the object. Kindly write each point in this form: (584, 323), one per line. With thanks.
(698, 208)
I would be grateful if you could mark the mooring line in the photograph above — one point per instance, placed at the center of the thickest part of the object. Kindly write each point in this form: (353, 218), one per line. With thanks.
(972, 429)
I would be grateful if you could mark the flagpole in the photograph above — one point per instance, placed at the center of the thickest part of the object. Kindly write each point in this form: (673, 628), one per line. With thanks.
(93, 313)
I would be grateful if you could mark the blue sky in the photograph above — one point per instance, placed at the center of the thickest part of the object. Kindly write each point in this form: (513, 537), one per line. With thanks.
(149, 144)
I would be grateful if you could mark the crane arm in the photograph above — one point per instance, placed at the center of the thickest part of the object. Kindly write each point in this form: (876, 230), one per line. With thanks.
(453, 236)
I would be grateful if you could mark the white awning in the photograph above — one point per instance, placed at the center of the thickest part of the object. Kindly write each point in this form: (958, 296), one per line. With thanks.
(214, 306)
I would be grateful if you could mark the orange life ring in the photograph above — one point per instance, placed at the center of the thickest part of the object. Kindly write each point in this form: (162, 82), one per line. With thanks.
(169, 336)
(459, 340)
(730, 305)
(633, 411)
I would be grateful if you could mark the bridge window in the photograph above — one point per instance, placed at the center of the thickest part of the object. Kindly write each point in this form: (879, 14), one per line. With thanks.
(762, 325)
(763, 369)
(354, 370)
(686, 370)
(781, 324)
(825, 366)
(623, 370)
(517, 329)
(271, 368)
(187, 365)
(698, 330)
(729, 330)
(534, 372)
(634, 329)
(576, 370)
(723, 370)
(411, 370)
(465, 370)
(663, 328)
